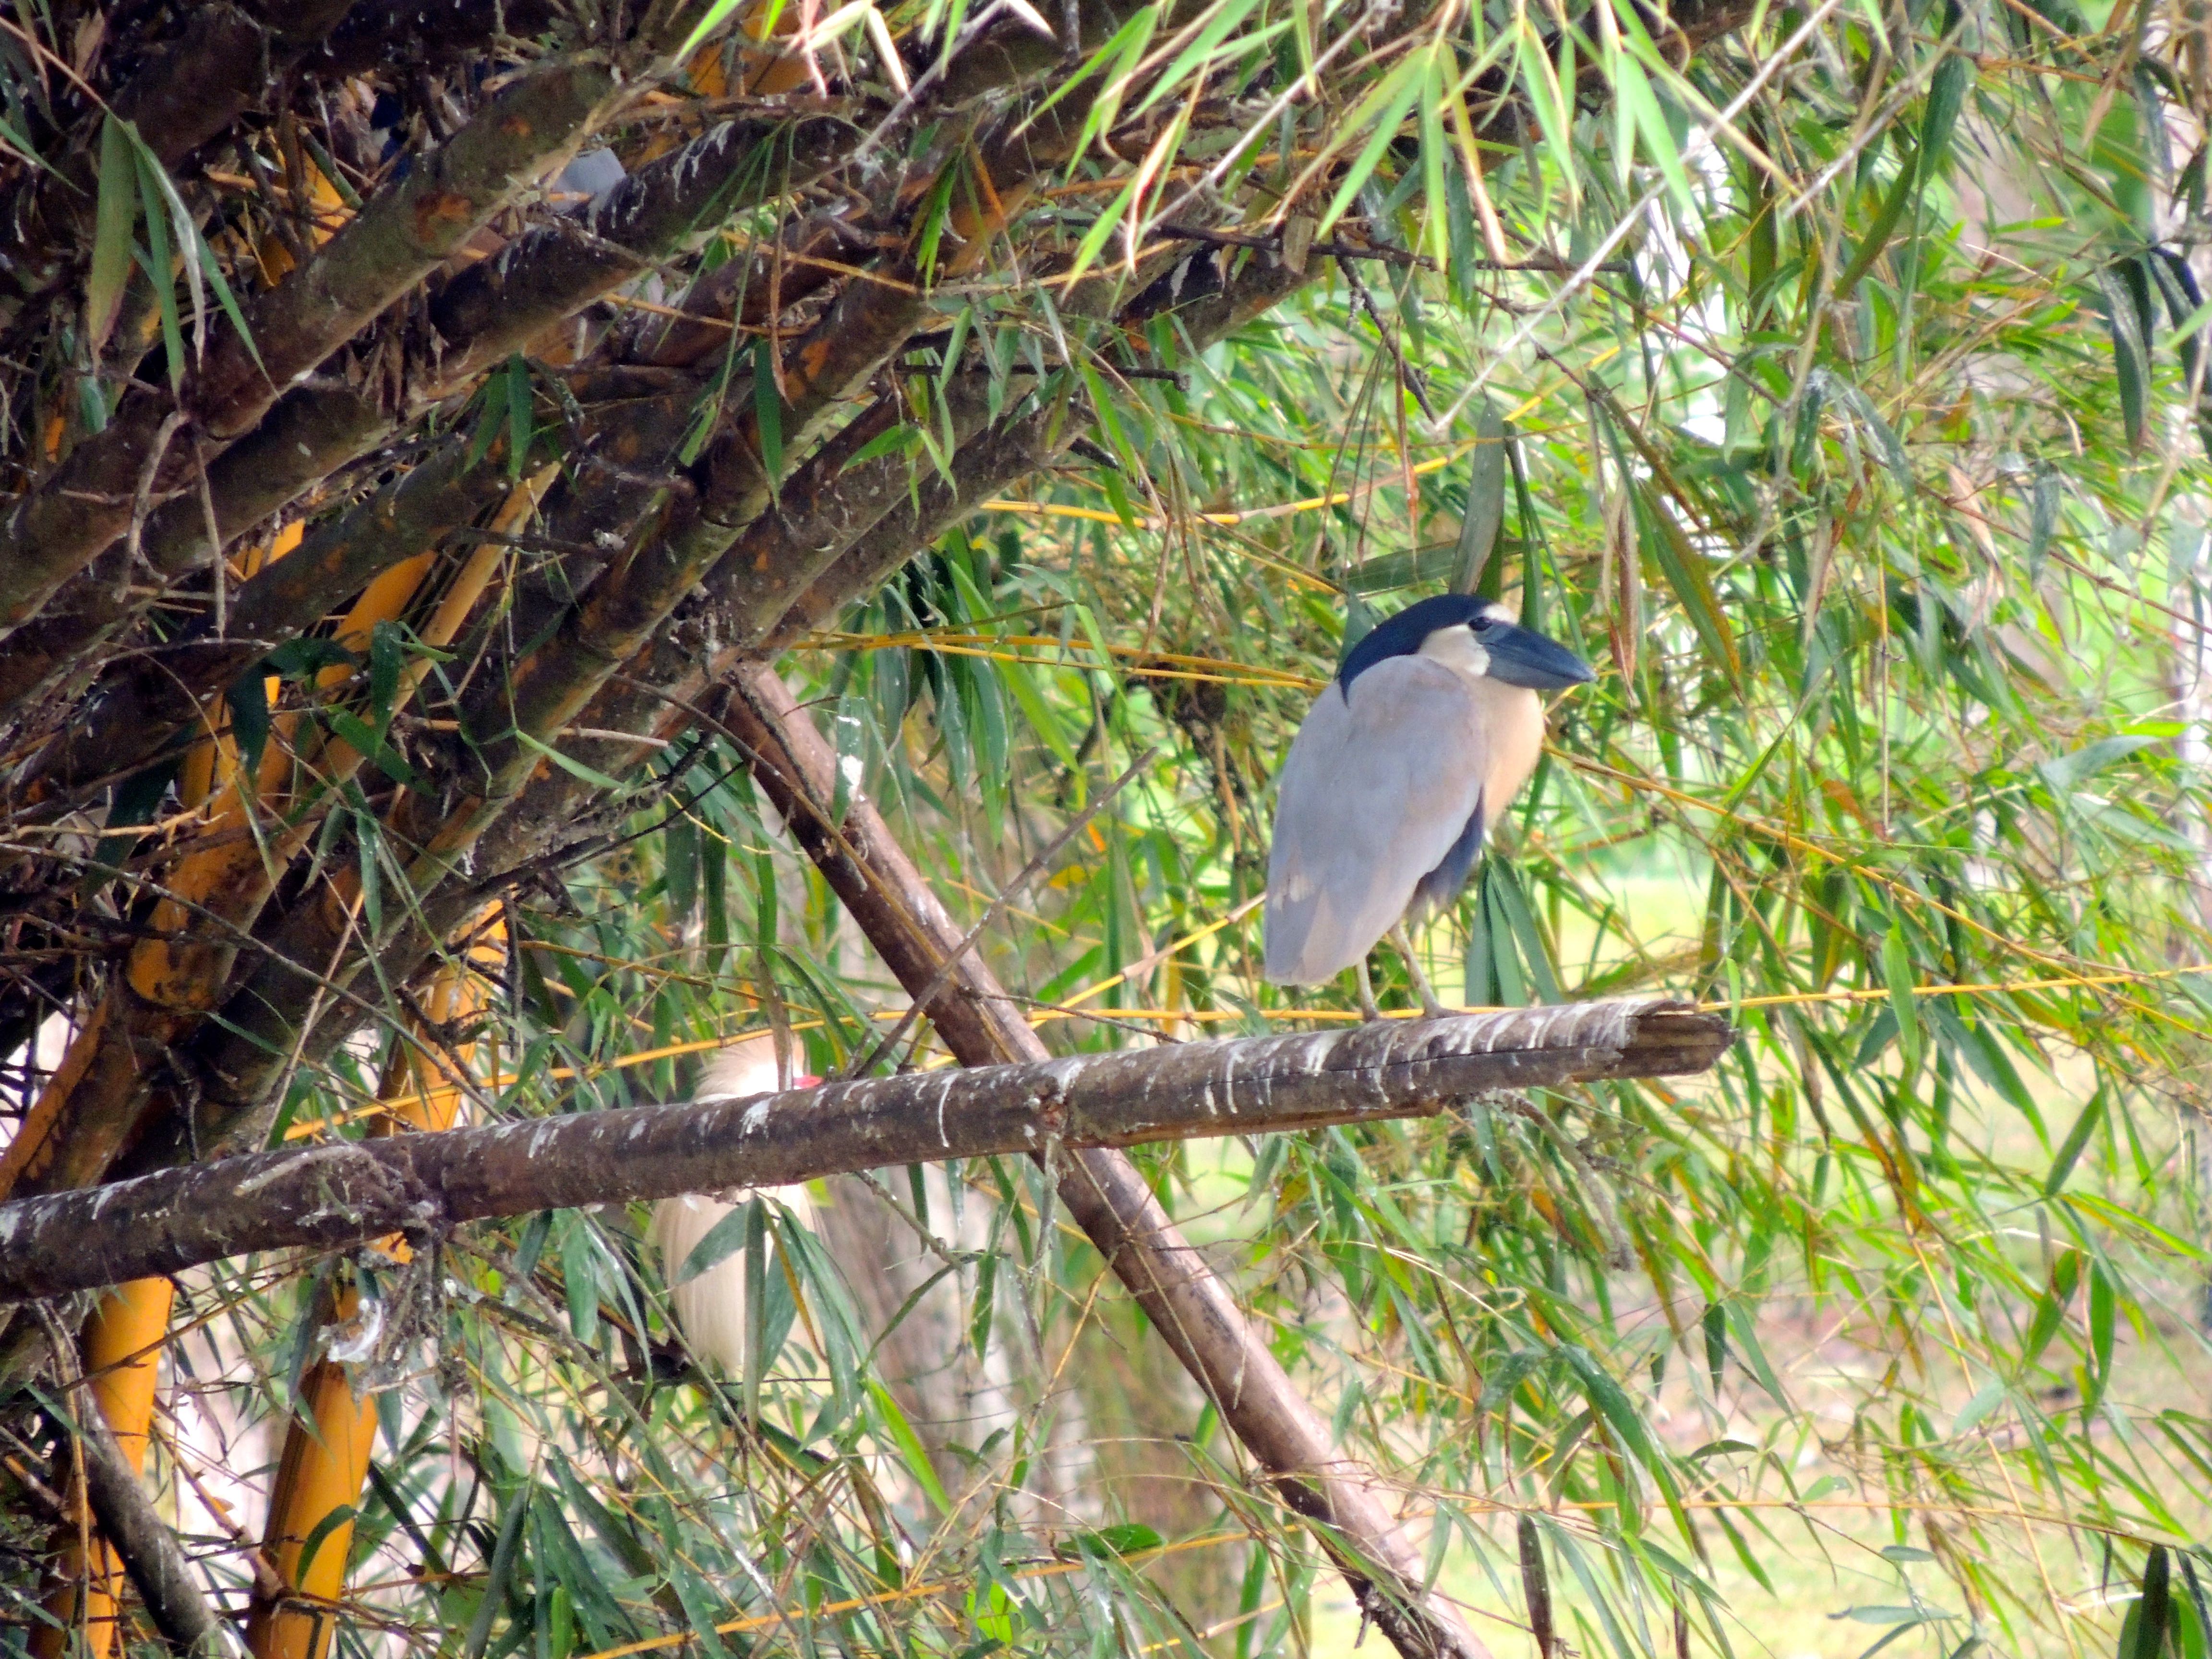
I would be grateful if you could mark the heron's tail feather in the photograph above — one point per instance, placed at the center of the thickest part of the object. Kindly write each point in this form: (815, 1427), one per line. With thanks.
(1308, 941)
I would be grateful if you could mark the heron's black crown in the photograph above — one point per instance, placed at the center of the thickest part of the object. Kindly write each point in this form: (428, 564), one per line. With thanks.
(1517, 655)
(1402, 635)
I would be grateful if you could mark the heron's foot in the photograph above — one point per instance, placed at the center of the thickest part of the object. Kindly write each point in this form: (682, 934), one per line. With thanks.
(1367, 1011)
(1430, 1008)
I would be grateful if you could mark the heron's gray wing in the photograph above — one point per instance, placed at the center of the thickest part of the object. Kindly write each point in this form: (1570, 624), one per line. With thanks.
(1374, 793)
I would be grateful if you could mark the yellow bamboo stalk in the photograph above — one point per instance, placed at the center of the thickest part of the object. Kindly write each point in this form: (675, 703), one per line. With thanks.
(328, 1447)
(90, 1104)
(327, 1450)
(85, 1110)
(122, 1338)
(327, 213)
(122, 1352)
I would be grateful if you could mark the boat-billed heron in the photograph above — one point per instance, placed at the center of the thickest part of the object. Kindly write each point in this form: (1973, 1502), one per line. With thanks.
(1421, 742)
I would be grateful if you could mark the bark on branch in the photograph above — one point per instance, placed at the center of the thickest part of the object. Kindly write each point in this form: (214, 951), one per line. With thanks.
(333, 1196)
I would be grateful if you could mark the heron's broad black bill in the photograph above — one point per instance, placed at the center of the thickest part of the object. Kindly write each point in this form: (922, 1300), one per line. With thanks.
(1521, 656)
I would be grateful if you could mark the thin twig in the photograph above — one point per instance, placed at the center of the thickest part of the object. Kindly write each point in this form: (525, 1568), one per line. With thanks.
(215, 544)
(141, 498)
(1409, 376)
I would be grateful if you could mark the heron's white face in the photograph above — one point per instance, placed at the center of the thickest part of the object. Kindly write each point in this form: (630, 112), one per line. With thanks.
(1456, 647)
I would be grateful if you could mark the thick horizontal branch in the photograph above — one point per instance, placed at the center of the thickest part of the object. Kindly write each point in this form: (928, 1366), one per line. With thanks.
(334, 1196)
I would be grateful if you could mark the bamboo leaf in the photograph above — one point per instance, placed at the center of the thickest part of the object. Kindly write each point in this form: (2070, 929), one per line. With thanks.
(115, 215)
(1486, 500)
(1386, 105)
(1684, 566)
(2071, 1149)
(2153, 1613)
(2130, 354)
(1947, 95)
(768, 411)
(518, 417)
(1897, 975)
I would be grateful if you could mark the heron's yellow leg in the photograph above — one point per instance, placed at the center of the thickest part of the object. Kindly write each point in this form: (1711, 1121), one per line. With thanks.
(1430, 1008)
(1367, 1006)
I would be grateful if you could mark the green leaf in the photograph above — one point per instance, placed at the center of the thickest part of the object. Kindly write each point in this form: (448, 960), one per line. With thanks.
(1633, 87)
(367, 742)
(1173, 81)
(913, 1457)
(2103, 1303)
(1685, 568)
(717, 12)
(715, 1246)
(2130, 354)
(768, 411)
(1129, 1539)
(202, 269)
(2043, 519)
(384, 665)
(248, 698)
(1485, 498)
(569, 764)
(114, 217)
(2050, 1308)
(1386, 105)
(2155, 1610)
(491, 425)
(1947, 95)
(154, 261)
(319, 1533)
(1987, 1399)
(1897, 973)
(580, 1278)
(503, 1568)
(1881, 233)
(980, 1316)
(518, 416)
(2071, 771)
(2077, 1138)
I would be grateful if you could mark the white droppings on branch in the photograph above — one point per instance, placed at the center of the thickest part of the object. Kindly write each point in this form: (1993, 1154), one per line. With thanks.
(312, 1159)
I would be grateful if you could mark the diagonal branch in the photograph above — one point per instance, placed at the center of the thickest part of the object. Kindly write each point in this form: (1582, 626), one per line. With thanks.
(1105, 1196)
(141, 1540)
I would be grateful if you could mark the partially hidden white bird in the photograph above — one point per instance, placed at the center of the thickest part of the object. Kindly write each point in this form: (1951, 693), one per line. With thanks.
(1428, 732)
(711, 1306)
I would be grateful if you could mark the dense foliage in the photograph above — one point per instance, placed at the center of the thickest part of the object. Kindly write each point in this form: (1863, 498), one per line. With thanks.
(1830, 376)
